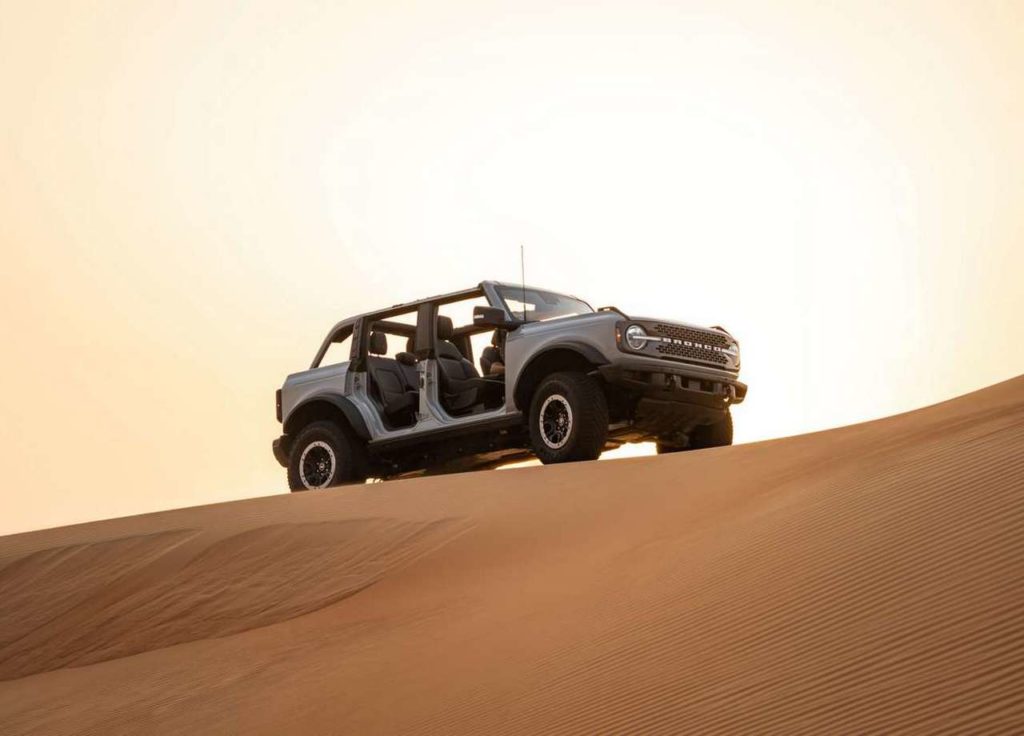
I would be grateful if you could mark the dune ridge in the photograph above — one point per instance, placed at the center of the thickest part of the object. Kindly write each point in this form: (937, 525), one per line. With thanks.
(246, 580)
(864, 579)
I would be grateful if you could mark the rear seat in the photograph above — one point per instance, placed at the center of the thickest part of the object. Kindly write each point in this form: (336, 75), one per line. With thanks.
(396, 386)
(407, 364)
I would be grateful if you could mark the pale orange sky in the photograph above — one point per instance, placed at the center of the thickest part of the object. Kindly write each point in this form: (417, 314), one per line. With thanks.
(193, 193)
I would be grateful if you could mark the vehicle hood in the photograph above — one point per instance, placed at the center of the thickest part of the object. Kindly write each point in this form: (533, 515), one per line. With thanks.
(680, 323)
(612, 318)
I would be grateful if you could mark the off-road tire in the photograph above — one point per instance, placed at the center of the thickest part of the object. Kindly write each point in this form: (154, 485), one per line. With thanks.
(587, 427)
(703, 436)
(330, 445)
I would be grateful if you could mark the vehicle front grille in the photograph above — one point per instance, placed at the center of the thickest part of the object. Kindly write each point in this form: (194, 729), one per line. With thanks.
(691, 344)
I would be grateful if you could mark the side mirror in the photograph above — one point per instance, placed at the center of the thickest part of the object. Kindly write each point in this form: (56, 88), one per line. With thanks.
(493, 317)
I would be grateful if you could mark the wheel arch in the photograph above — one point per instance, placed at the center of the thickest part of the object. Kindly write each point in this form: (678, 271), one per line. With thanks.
(327, 406)
(565, 356)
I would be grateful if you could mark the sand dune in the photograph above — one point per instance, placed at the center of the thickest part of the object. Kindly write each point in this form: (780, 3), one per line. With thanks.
(866, 579)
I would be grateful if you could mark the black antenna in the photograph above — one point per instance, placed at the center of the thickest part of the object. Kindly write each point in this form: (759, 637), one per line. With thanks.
(522, 277)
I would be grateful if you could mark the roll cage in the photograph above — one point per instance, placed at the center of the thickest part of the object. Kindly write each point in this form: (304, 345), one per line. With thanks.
(425, 332)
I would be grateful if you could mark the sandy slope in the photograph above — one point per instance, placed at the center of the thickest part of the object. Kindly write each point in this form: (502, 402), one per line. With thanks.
(865, 579)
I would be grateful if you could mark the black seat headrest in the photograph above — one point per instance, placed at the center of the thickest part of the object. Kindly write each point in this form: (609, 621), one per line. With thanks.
(447, 350)
(445, 328)
(378, 343)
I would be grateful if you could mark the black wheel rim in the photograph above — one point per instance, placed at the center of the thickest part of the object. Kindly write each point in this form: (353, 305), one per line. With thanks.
(316, 467)
(555, 421)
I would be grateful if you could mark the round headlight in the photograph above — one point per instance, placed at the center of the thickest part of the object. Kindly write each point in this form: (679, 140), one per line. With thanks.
(734, 351)
(636, 338)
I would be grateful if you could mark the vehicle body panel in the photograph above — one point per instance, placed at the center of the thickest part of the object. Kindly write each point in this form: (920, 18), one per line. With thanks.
(301, 387)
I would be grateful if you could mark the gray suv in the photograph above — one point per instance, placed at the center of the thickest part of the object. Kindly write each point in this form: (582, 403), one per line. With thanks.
(557, 380)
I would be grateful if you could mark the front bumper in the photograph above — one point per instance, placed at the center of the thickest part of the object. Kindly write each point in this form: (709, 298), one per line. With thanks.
(686, 384)
(666, 402)
(280, 448)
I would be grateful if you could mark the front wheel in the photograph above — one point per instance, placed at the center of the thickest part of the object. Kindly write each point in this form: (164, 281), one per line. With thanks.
(322, 455)
(568, 418)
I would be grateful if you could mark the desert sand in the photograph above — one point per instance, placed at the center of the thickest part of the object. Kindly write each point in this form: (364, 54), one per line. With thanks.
(864, 579)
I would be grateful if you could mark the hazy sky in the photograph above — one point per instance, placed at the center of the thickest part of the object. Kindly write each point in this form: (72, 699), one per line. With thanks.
(192, 193)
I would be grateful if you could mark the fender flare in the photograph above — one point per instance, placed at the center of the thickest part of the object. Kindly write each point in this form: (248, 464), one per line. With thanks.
(343, 403)
(584, 350)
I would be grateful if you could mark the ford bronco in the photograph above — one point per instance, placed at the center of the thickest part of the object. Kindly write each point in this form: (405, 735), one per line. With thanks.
(557, 380)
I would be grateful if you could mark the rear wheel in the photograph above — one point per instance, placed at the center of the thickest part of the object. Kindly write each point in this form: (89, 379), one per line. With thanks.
(568, 418)
(323, 455)
(703, 436)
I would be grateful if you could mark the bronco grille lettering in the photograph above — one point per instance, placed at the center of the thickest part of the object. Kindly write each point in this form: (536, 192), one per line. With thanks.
(688, 344)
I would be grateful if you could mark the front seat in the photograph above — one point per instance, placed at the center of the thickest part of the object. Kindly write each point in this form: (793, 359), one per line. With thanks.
(397, 396)
(461, 385)
(491, 361)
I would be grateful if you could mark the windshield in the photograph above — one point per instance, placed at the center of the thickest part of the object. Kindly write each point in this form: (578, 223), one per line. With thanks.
(534, 305)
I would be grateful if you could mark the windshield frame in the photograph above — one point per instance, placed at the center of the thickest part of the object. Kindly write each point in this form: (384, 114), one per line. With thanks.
(510, 291)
